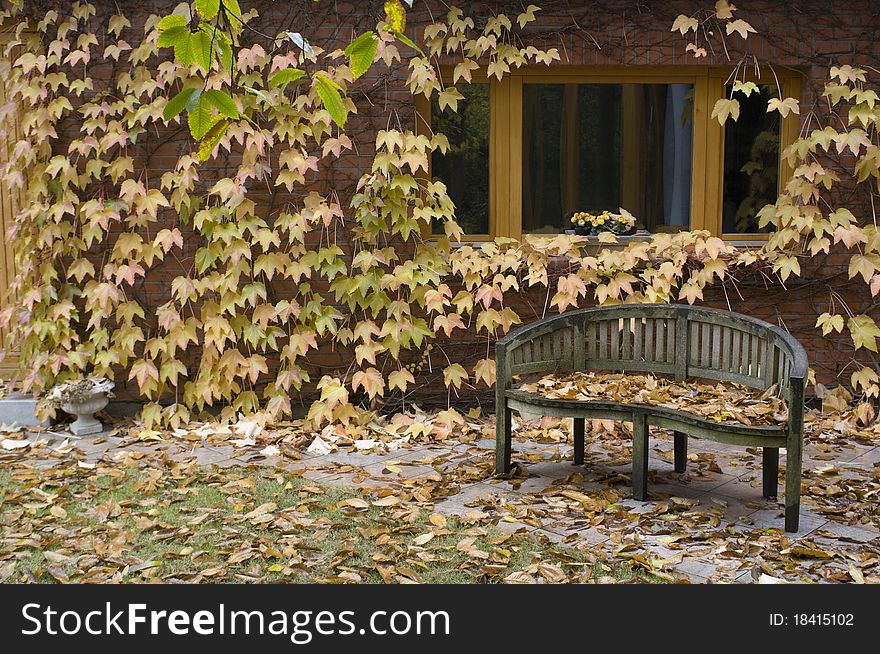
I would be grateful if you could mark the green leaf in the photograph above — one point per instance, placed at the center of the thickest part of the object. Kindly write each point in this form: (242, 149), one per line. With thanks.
(224, 49)
(177, 104)
(171, 37)
(233, 8)
(200, 119)
(212, 138)
(223, 102)
(257, 92)
(194, 99)
(183, 52)
(207, 8)
(328, 91)
(285, 77)
(362, 52)
(403, 38)
(171, 21)
(202, 49)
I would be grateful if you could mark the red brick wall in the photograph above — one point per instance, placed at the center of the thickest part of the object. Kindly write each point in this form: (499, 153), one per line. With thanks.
(810, 35)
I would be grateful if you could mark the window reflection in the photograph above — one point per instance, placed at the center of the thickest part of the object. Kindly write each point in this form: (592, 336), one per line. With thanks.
(465, 167)
(751, 161)
(592, 147)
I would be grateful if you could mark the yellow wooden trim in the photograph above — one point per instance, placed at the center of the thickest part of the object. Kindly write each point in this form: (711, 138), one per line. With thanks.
(791, 129)
(713, 173)
(499, 153)
(515, 162)
(701, 154)
(629, 73)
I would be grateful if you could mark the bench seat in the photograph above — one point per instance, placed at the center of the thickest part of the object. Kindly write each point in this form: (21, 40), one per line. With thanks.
(657, 416)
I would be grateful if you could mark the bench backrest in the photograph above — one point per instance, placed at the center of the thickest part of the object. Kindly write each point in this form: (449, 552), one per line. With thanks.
(676, 340)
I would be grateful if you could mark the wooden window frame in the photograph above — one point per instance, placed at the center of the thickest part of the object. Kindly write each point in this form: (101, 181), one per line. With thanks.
(707, 183)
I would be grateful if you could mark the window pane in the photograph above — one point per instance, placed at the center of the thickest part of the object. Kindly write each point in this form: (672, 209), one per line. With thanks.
(596, 147)
(751, 161)
(465, 167)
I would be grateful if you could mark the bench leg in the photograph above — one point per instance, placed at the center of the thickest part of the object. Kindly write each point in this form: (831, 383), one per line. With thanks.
(771, 472)
(681, 451)
(793, 460)
(502, 441)
(640, 457)
(579, 429)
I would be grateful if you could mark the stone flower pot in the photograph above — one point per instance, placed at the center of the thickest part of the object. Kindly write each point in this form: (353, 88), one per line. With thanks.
(84, 410)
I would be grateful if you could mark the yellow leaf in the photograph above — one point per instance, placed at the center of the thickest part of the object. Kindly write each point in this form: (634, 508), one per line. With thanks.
(395, 15)
(739, 26)
(453, 375)
(864, 331)
(485, 371)
(685, 24)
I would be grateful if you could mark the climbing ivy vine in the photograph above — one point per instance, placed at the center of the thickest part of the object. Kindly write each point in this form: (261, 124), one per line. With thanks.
(254, 293)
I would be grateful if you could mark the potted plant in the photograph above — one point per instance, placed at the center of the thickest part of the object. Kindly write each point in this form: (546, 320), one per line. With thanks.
(82, 398)
(591, 224)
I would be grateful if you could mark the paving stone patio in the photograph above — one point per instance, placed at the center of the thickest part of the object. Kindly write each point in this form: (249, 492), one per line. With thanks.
(709, 524)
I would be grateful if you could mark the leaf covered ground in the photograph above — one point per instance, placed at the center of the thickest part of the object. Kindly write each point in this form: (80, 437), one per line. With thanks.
(155, 519)
(412, 498)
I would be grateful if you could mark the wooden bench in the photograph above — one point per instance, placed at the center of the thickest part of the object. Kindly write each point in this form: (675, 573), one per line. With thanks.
(672, 340)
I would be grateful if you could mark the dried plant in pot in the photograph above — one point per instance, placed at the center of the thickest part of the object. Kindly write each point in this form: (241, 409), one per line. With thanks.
(82, 398)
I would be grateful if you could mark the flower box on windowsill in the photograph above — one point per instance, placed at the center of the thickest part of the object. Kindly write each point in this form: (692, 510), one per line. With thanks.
(638, 235)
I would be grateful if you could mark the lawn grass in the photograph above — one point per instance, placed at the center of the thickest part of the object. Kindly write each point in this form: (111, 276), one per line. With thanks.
(194, 524)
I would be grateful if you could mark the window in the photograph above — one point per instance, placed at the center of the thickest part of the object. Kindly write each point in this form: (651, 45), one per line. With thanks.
(591, 147)
(751, 161)
(465, 166)
(528, 151)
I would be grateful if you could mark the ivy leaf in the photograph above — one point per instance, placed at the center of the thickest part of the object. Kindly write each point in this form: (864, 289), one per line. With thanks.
(784, 107)
(685, 24)
(177, 104)
(864, 332)
(371, 380)
(740, 26)
(453, 375)
(485, 371)
(170, 37)
(786, 266)
(223, 102)
(328, 91)
(400, 379)
(362, 52)
(284, 77)
(207, 8)
(746, 88)
(830, 322)
(202, 49)
(212, 138)
(200, 119)
(725, 109)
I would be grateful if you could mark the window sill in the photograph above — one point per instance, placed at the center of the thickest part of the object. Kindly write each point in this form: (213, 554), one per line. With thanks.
(593, 242)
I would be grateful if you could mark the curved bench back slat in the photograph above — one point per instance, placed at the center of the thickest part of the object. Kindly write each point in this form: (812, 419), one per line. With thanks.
(676, 340)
